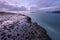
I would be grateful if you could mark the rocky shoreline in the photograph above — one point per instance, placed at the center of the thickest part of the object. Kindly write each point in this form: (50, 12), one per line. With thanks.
(14, 26)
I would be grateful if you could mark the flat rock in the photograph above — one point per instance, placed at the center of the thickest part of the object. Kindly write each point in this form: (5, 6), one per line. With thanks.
(14, 26)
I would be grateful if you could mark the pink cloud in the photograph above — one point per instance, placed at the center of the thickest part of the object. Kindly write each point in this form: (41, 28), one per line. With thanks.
(3, 9)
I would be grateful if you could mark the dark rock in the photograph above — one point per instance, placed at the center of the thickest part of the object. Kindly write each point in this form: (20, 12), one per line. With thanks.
(20, 27)
(54, 12)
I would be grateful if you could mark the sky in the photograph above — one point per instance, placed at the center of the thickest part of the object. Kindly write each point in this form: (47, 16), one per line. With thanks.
(42, 3)
(24, 5)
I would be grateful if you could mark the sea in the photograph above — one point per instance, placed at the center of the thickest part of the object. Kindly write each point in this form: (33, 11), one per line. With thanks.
(49, 21)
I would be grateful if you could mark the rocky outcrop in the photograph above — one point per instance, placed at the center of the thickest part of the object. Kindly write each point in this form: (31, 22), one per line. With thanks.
(19, 27)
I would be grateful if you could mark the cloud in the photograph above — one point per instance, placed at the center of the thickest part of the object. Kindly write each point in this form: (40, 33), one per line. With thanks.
(39, 3)
(7, 7)
(9, 2)
(3, 9)
(45, 3)
(33, 5)
(47, 8)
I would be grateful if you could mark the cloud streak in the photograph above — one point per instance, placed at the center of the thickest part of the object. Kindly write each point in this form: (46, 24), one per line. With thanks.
(16, 5)
(45, 3)
(8, 7)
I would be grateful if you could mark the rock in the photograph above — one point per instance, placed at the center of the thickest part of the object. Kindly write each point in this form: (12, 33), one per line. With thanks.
(19, 27)
(58, 12)
(55, 11)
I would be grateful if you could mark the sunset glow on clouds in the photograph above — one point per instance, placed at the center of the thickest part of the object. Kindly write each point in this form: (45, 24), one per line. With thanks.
(24, 5)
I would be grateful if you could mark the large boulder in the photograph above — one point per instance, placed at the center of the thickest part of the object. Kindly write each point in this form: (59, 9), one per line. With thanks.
(15, 26)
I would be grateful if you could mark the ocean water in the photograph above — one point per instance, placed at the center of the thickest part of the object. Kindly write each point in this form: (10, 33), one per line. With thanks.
(49, 21)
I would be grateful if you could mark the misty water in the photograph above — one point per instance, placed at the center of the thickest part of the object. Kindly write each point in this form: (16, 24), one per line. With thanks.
(49, 21)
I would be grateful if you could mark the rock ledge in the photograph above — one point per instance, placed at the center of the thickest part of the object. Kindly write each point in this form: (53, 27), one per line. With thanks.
(19, 27)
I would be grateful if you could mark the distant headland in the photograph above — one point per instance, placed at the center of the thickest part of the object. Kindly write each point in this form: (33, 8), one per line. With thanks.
(54, 12)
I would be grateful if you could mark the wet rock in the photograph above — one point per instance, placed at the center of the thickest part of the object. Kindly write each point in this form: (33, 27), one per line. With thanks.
(19, 27)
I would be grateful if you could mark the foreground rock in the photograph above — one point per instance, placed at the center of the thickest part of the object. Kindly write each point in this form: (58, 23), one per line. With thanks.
(19, 27)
